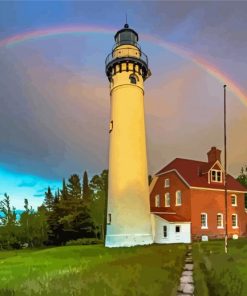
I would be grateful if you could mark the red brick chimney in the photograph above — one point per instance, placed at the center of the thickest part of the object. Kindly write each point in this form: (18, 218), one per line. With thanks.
(214, 154)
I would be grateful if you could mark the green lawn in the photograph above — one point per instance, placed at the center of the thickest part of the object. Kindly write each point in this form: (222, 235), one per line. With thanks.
(92, 270)
(217, 273)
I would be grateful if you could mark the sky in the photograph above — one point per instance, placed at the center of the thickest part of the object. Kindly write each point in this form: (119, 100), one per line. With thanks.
(54, 94)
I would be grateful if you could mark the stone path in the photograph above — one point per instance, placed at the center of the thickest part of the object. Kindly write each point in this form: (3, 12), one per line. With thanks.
(186, 286)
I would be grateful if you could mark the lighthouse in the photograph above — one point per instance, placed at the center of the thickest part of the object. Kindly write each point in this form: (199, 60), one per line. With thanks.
(128, 209)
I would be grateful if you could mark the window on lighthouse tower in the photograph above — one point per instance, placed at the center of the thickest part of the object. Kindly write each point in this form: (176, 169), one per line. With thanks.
(133, 79)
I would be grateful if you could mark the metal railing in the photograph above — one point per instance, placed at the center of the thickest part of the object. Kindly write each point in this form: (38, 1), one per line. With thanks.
(126, 53)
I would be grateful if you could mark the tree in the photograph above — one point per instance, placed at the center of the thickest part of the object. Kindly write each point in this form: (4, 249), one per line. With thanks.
(242, 178)
(74, 186)
(9, 216)
(9, 230)
(86, 191)
(99, 187)
(64, 191)
(49, 199)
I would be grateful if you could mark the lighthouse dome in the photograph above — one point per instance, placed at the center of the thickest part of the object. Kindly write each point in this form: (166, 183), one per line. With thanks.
(126, 36)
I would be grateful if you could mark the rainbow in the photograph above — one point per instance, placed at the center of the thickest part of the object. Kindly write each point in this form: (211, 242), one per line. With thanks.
(181, 51)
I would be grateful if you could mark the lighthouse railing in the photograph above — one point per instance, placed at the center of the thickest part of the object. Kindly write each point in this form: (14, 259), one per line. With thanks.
(125, 53)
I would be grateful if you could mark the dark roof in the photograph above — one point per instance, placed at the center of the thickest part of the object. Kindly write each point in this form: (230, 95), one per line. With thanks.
(195, 174)
(173, 218)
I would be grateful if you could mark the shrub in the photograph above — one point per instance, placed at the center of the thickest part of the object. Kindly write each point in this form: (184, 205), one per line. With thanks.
(84, 241)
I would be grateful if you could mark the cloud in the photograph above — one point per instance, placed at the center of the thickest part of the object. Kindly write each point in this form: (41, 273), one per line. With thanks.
(54, 119)
(39, 195)
(41, 192)
(27, 183)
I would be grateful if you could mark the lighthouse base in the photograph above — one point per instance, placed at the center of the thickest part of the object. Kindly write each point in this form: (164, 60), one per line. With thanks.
(128, 240)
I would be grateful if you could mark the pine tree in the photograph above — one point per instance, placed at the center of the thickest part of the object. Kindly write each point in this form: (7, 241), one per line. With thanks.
(99, 187)
(49, 199)
(86, 191)
(74, 186)
(9, 229)
(9, 216)
(64, 192)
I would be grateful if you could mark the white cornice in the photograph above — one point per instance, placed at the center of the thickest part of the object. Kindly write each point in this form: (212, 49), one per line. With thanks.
(174, 170)
(215, 189)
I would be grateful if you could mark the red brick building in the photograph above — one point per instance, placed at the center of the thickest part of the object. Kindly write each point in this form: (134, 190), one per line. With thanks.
(188, 192)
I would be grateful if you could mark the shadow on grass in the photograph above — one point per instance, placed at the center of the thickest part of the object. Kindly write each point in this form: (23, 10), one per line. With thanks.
(7, 292)
(225, 283)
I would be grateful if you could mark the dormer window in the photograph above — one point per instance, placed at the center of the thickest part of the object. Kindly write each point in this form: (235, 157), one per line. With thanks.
(216, 176)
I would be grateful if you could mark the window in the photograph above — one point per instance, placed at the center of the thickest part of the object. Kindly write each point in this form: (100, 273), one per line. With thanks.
(234, 200)
(109, 219)
(133, 79)
(167, 183)
(178, 198)
(216, 175)
(234, 221)
(157, 200)
(111, 126)
(167, 200)
(177, 228)
(220, 220)
(165, 231)
(204, 220)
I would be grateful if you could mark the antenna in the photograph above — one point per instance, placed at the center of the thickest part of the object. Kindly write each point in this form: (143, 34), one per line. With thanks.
(126, 19)
(225, 172)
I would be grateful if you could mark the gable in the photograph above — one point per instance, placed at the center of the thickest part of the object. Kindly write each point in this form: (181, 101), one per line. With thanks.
(195, 174)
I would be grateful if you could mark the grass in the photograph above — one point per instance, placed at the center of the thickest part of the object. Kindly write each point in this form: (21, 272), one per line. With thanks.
(217, 273)
(92, 270)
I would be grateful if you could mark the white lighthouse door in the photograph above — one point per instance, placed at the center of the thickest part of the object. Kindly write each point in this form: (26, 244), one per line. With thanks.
(177, 233)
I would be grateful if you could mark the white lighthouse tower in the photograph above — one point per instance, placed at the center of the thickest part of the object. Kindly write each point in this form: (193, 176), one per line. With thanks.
(128, 210)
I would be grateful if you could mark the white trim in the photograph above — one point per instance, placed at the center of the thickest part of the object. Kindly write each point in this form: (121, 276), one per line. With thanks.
(222, 221)
(174, 170)
(169, 213)
(167, 196)
(151, 186)
(167, 183)
(157, 201)
(216, 171)
(214, 189)
(176, 195)
(236, 200)
(206, 220)
(234, 227)
(221, 168)
(199, 188)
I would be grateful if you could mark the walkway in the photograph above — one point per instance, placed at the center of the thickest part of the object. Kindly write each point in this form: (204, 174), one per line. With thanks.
(186, 286)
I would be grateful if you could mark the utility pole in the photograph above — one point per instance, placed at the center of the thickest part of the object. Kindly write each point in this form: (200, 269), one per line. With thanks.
(225, 172)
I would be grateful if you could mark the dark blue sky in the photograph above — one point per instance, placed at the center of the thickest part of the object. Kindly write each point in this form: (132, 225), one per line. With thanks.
(54, 94)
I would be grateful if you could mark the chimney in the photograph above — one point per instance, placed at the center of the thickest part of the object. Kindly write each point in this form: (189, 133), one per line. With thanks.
(214, 155)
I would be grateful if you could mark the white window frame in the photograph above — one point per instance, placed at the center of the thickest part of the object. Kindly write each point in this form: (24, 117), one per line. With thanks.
(157, 201)
(216, 171)
(222, 221)
(167, 183)
(177, 196)
(206, 220)
(234, 227)
(167, 196)
(236, 200)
